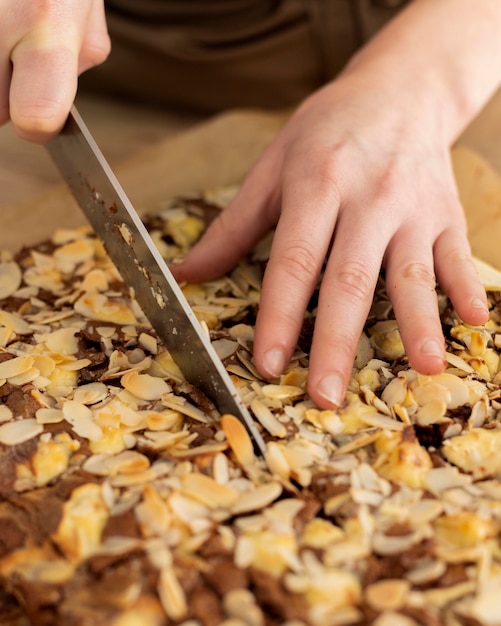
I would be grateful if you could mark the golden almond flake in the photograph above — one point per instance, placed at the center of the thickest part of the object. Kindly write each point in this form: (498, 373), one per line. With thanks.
(432, 391)
(387, 595)
(180, 404)
(74, 252)
(5, 413)
(29, 376)
(172, 595)
(258, 498)
(208, 491)
(96, 306)
(267, 419)
(153, 514)
(240, 604)
(426, 571)
(95, 280)
(277, 461)
(225, 348)
(144, 386)
(162, 420)
(148, 343)
(47, 415)
(16, 366)
(282, 392)
(82, 421)
(391, 618)
(318, 589)
(485, 607)
(10, 278)
(62, 341)
(433, 412)
(459, 363)
(73, 365)
(7, 335)
(91, 393)
(44, 364)
(320, 533)
(127, 462)
(19, 430)
(115, 414)
(63, 236)
(270, 552)
(238, 439)
(15, 322)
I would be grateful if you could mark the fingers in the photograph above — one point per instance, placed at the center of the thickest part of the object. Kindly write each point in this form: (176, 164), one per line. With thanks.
(96, 44)
(458, 277)
(52, 44)
(411, 286)
(309, 210)
(345, 298)
(42, 90)
(238, 228)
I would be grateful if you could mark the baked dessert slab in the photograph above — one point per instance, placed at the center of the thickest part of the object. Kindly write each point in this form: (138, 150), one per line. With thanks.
(127, 499)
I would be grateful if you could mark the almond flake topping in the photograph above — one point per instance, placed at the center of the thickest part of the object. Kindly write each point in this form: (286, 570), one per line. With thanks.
(127, 499)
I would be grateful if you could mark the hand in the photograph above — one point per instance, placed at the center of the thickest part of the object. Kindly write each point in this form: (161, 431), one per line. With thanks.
(360, 177)
(44, 46)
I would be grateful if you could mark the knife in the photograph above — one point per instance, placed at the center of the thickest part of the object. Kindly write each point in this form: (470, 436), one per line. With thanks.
(130, 247)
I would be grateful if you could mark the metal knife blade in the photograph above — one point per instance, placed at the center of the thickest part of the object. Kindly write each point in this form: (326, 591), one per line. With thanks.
(130, 247)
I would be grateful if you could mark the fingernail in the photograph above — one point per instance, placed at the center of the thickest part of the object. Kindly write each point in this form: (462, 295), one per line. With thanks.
(478, 303)
(331, 388)
(432, 347)
(274, 362)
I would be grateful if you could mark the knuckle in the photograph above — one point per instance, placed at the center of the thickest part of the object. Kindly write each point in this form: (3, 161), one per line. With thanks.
(391, 183)
(419, 273)
(355, 281)
(300, 262)
(39, 121)
(96, 50)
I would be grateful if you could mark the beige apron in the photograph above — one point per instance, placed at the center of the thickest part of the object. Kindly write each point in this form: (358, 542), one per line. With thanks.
(210, 55)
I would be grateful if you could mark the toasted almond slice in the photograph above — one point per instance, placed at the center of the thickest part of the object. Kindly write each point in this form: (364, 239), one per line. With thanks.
(144, 386)
(10, 278)
(90, 393)
(458, 362)
(390, 594)
(81, 419)
(47, 415)
(26, 377)
(239, 439)
(172, 595)
(16, 366)
(5, 413)
(62, 340)
(267, 419)
(282, 392)
(258, 498)
(19, 431)
(208, 491)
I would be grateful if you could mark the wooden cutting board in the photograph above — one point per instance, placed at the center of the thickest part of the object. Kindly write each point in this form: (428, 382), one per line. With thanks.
(219, 152)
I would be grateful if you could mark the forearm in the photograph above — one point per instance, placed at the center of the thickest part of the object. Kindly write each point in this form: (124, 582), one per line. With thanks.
(447, 53)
